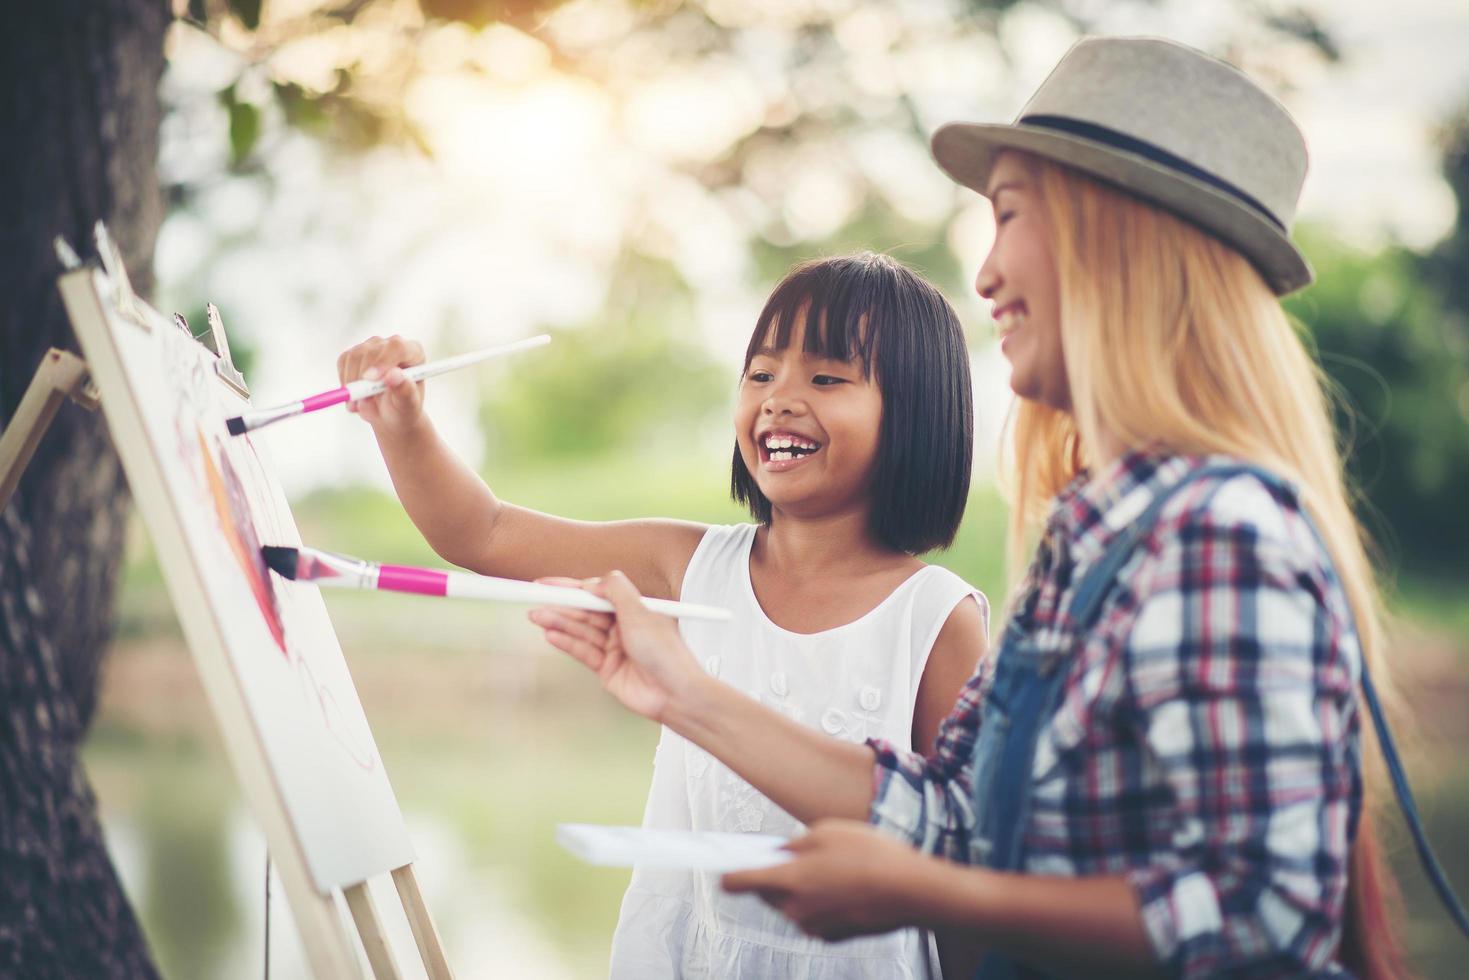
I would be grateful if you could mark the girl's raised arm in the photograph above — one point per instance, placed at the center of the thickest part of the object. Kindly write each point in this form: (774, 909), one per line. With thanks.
(463, 520)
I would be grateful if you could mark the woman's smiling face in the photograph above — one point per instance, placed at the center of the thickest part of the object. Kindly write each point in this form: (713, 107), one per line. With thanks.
(807, 428)
(1019, 278)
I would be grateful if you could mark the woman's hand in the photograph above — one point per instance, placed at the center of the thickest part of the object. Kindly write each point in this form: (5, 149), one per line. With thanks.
(400, 407)
(846, 879)
(639, 656)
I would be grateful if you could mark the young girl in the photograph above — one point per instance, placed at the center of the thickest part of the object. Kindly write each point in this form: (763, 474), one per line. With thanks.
(1159, 772)
(853, 441)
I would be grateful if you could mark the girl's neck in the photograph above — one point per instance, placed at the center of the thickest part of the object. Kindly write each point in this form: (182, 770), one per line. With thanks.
(800, 545)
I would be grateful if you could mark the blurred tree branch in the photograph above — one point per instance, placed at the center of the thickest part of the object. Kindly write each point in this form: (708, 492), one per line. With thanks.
(811, 91)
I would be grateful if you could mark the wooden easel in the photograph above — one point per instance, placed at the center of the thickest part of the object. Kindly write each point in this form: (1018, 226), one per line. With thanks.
(62, 375)
(328, 943)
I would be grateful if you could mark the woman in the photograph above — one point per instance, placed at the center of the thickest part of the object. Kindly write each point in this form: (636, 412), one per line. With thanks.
(1160, 770)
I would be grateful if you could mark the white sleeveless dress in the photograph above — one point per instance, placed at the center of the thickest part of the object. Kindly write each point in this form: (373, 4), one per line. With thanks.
(854, 682)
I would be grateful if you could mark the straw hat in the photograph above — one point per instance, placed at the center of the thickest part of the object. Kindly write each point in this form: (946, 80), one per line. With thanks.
(1168, 124)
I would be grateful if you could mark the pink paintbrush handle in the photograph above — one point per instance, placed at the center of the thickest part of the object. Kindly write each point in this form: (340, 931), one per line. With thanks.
(326, 399)
(406, 578)
(463, 585)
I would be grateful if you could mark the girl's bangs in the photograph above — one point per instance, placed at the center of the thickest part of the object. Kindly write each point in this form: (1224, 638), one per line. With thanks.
(839, 323)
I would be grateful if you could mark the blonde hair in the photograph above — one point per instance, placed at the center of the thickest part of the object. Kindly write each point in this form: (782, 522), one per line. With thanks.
(1172, 339)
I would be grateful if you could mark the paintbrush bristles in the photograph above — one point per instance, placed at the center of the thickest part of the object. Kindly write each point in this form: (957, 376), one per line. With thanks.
(281, 560)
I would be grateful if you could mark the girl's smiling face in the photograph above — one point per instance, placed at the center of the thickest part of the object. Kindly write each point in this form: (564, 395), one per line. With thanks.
(807, 428)
(1019, 278)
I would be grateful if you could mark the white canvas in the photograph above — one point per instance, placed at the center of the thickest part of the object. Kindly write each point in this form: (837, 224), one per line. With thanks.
(209, 500)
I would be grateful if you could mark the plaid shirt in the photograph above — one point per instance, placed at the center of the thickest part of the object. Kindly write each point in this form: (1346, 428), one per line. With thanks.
(1206, 741)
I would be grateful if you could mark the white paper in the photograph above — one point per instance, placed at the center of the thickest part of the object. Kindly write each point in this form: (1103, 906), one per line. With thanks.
(689, 850)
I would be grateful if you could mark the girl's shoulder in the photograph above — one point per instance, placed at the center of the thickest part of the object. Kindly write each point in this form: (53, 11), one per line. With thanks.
(937, 591)
(725, 542)
(719, 562)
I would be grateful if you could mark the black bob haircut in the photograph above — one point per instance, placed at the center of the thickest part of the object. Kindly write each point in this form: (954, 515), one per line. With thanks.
(871, 308)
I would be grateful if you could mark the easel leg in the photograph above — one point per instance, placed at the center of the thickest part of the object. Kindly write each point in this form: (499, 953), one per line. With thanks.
(429, 946)
(370, 928)
(324, 935)
(61, 375)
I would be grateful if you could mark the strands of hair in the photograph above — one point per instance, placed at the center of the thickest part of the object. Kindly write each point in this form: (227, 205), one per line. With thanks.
(1173, 339)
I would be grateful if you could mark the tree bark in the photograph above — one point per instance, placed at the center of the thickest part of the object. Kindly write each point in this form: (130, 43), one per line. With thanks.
(79, 120)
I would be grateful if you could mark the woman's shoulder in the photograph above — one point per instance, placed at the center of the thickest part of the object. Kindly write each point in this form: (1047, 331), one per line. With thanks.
(1242, 508)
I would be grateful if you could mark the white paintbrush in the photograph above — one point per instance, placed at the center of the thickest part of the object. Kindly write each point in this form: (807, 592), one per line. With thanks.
(324, 568)
(355, 391)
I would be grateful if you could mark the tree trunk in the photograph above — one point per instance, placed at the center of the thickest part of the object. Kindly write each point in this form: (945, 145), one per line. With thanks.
(79, 122)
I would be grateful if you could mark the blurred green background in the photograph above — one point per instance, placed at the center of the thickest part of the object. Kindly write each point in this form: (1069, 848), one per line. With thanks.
(634, 177)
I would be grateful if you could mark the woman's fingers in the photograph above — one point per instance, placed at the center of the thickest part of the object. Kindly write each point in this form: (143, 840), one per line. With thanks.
(614, 656)
(563, 581)
(775, 880)
(618, 589)
(588, 654)
(601, 620)
(591, 628)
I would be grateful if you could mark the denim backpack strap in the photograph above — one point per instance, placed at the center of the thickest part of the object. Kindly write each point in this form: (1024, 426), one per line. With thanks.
(1093, 590)
(1026, 690)
(1094, 586)
(1085, 606)
(1426, 857)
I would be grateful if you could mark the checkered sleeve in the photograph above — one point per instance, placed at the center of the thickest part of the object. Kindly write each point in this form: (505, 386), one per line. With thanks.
(927, 801)
(1241, 668)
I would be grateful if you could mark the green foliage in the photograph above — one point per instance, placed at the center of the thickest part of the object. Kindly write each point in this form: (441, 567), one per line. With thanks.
(876, 228)
(242, 352)
(1398, 356)
(244, 125)
(303, 109)
(248, 11)
(631, 378)
(480, 13)
(1446, 267)
(1393, 330)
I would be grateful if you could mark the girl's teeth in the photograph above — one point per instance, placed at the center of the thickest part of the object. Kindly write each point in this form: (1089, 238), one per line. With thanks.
(787, 442)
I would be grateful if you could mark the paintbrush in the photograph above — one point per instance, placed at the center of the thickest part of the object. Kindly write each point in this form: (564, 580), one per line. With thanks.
(324, 568)
(355, 391)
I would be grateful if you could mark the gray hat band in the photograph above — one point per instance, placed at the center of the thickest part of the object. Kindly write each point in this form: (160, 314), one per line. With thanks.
(1131, 144)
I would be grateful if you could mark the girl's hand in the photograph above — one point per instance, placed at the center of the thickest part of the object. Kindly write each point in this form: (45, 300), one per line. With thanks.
(846, 879)
(400, 407)
(639, 656)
